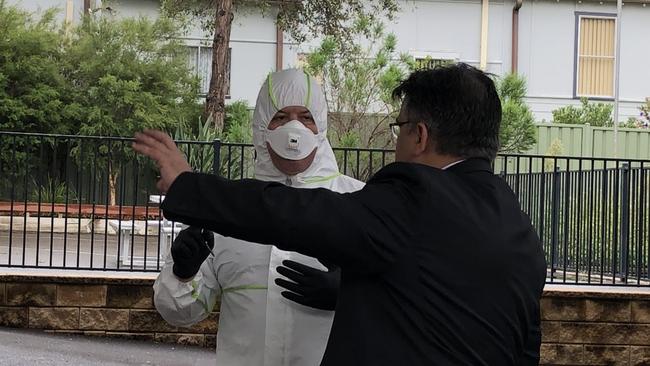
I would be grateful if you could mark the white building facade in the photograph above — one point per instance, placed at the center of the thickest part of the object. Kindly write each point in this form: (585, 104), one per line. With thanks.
(565, 48)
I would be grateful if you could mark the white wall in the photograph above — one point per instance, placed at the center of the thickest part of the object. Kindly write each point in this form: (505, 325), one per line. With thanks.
(448, 27)
(41, 5)
(547, 51)
(252, 42)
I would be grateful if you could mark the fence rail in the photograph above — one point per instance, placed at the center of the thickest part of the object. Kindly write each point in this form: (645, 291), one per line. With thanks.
(81, 202)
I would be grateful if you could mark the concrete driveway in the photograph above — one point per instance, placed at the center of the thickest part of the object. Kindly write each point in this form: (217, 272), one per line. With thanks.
(34, 348)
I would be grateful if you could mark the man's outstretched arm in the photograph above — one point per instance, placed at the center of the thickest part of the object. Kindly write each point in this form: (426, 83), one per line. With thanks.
(363, 231)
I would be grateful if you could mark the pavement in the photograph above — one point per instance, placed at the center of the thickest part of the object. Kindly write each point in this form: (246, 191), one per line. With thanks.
(84, 250)
(19, 347)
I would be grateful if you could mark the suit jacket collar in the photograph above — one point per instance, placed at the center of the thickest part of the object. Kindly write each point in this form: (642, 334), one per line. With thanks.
(472, 165)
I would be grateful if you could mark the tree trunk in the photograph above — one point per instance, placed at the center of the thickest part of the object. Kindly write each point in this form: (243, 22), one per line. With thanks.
(215, 102)
(112, 185)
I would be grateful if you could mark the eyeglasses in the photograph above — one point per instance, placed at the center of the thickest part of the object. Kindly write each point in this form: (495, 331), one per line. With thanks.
(395, 127)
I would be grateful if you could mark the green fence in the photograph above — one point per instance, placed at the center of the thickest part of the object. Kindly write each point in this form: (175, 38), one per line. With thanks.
(587, 141)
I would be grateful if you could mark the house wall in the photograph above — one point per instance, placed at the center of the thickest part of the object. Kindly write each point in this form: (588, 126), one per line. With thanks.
(448, 28)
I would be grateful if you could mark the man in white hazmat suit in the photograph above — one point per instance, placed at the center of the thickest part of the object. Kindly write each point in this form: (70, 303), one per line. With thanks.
(260, 322)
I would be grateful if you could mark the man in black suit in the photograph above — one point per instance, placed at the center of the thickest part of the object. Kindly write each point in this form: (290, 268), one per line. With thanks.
(439, 264)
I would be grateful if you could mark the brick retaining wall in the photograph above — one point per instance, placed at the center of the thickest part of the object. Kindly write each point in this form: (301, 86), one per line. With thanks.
(93, 306)
(580, 325)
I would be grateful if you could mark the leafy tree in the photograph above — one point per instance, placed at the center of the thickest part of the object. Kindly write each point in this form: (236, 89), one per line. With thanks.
(34, 94)
(358, 82)
(518, 130)
(128, 75)
(301, 19)
(594, 114)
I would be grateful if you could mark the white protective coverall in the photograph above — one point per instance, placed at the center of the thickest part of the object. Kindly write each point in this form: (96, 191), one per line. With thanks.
(258, 326)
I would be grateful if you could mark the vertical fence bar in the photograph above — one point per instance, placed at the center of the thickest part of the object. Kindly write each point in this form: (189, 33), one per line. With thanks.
(14, 164)
(108, 189)
(133, 211)
(25, 196)
(555, 217)
(241, 162)
(625, 220)
(40, 198)
(52, 190)
(590, 232)
(79, 182)
(120, 213)
(566, 218)
(615, 220)
(542, 191)
(216, 157)
(640, 222)
(229, 161)
(67, 193)
(93, 198)
(603, 225)
(578, 252)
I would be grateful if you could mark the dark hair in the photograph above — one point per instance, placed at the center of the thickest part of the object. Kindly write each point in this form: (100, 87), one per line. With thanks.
(460, 106)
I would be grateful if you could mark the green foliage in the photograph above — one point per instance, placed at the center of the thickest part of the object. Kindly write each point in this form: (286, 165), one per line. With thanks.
(238, 123)
(594, 114)
(53, 191)
(196, 143)
(518, 129)
(643, 121)
(106, 77)
(131, 74)
(302, 20)
(555, 149)
(358, 82)
(197, 146)
(34, 94)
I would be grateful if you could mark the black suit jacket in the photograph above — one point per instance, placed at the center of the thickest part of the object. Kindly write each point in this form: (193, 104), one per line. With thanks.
(438, 267)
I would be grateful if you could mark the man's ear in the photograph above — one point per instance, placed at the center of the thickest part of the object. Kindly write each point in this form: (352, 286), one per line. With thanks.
(422, 141)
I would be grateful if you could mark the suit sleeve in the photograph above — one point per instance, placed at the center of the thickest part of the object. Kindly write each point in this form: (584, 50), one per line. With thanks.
(360, 230)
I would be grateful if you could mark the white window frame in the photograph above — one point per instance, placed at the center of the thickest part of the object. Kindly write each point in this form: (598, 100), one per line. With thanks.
(201, 45)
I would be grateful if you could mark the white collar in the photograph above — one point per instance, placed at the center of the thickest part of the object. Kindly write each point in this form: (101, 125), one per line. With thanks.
(452, 164)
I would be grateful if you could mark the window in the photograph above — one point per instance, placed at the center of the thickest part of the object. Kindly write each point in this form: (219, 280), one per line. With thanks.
(200, 61)
(596, 43)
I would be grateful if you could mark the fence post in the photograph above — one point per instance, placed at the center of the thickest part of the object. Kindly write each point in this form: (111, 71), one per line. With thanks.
(555, 217)
(625, 220)
(216, 159)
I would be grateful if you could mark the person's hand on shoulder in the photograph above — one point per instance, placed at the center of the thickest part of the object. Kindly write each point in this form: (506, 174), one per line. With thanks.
(311, 286)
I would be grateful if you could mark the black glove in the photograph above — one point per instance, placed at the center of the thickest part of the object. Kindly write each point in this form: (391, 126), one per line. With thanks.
(310, 287)
(190, 248)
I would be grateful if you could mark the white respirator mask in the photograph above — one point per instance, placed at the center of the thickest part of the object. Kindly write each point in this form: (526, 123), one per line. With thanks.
(292, 141)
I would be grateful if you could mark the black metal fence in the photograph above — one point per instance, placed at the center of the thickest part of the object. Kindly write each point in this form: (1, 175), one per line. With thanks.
(74, 202)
